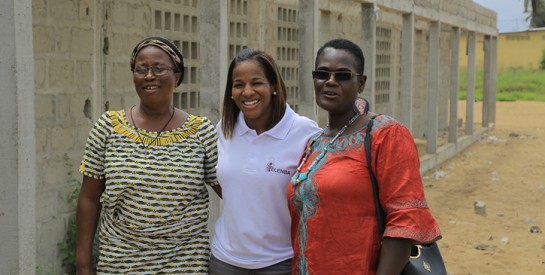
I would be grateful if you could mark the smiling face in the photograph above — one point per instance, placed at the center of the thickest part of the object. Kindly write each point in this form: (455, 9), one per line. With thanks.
(252, 94)
(154, 89)
(333, 95)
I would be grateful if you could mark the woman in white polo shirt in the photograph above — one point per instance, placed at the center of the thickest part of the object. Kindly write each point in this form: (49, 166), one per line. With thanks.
(261, 140)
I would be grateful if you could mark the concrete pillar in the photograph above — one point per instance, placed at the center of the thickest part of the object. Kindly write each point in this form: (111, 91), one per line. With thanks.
(213, 56)
(407, 67)
(99, 68)
(494, 78)
(471, 71)
(17, 140)
(433, 87)
(487, 79)
(309, 16)
(454, 82)
(368, 45)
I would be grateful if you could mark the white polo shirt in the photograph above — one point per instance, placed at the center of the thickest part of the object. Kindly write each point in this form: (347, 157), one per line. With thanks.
(253, 230)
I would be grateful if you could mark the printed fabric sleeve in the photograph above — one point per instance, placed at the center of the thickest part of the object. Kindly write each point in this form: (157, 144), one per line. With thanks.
(400, 186)
(92, 164)
(208, 135)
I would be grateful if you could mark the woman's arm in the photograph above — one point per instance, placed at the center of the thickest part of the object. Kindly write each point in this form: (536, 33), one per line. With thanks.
(217, 189)
(394, 255)
(88, 212)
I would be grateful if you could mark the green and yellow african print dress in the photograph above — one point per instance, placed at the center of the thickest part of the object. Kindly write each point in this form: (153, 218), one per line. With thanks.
(155, 205)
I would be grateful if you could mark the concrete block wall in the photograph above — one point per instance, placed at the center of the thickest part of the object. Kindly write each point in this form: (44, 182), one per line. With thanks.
(420, 83)
(340, 19)
(63, 49)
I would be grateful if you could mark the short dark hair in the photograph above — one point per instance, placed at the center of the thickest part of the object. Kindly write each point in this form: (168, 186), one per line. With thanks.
(347, 45)
(230, 110)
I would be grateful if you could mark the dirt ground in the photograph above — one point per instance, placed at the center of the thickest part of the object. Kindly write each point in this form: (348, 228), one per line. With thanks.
(505, 171)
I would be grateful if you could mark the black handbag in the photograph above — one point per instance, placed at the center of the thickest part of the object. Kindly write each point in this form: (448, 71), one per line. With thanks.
(424, 259)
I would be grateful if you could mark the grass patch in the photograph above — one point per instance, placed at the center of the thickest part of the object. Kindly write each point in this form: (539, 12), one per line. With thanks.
(511, 85)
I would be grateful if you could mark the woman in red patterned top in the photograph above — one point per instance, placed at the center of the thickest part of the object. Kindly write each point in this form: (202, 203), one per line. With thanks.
(334, 222)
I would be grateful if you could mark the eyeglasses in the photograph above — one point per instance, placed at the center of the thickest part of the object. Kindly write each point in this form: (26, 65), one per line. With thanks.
(326, 75)
(156, 70)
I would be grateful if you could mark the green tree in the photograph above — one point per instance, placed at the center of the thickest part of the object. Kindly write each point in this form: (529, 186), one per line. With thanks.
(536, 11)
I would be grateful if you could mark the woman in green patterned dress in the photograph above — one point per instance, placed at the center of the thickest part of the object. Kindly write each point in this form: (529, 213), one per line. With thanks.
(145, 171)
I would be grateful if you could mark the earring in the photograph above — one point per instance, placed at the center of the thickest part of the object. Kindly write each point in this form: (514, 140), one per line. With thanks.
(274, 93)
(361, 106)
(232, 97)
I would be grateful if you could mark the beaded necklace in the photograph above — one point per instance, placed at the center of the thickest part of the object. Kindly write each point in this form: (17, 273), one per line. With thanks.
(158, 134)
(299, 177)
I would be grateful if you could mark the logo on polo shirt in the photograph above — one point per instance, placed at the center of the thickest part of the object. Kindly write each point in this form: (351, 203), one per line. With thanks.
(271, 168)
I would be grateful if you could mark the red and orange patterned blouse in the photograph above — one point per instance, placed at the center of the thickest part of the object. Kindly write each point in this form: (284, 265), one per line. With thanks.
(334, 226)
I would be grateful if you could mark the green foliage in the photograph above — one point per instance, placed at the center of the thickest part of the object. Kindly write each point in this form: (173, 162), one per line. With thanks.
(511, 85)
(68, 247)
(41, 270)
(536, 12)
(542, 61)
(478, 85)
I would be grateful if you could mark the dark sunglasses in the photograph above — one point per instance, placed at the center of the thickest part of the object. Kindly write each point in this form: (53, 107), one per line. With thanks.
(340, 76)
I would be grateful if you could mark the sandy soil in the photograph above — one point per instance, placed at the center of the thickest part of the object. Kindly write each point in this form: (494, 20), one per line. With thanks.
(506, 172)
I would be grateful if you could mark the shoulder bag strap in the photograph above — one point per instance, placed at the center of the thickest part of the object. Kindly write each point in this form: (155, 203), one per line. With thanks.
(378, 207)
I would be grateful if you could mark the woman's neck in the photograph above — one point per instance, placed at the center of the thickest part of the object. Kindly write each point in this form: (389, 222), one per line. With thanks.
(154, 112)
(258, 125)
(337, 122)
(262, 123)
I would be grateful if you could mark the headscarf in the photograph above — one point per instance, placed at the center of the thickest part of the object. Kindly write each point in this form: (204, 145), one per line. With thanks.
(167, 46)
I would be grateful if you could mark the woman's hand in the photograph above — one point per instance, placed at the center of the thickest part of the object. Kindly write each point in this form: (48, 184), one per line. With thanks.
(394, 255)
(88, 212)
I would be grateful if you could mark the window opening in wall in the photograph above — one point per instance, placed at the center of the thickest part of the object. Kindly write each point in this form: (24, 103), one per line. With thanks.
(382, 98)
(158, 19)
(194, 50)
(194, 24)
(167, 20)
(383, 65)
(194, 96)
(185, 49)
(177, 22)
(184, 101)
(186, 23)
